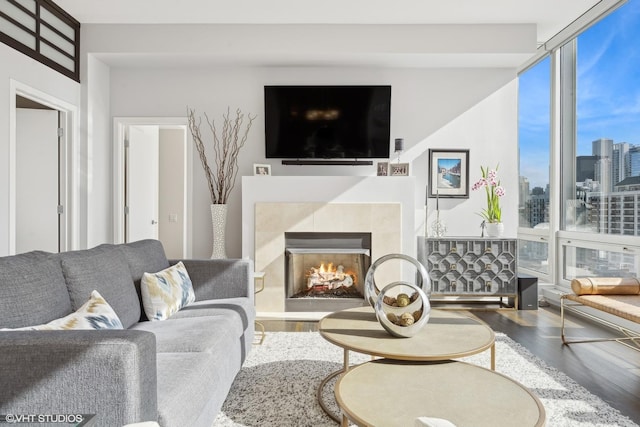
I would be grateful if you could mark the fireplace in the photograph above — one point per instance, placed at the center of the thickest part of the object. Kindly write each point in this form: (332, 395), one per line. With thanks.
(325, 271)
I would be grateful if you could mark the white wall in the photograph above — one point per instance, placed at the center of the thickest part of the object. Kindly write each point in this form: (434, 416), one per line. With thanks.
(424, 101)
(20, 68)
(172, 192)
(489, 129)
(98, 159)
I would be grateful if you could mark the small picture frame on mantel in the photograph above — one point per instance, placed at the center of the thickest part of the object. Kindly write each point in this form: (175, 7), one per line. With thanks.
(448, 174)
(399, 169)
(382, 168)
(261, 169)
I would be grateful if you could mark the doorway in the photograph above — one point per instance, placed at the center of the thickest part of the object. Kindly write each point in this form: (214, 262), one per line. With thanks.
(42, 193)
(37, 177)
(152, 183)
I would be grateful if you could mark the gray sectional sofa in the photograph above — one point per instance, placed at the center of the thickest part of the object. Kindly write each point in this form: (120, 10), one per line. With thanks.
(176, 372)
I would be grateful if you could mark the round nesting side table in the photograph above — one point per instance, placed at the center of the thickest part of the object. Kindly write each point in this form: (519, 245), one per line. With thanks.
(395, 393)
(447, 335)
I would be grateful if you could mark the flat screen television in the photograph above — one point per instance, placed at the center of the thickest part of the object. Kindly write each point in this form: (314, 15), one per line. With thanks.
(327, 122)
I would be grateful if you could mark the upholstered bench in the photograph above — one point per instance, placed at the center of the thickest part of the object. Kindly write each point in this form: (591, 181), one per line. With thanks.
(618, 296)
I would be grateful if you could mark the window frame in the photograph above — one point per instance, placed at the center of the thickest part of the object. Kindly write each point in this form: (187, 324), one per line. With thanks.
(543, 235)
(563, 52)
(41, 40)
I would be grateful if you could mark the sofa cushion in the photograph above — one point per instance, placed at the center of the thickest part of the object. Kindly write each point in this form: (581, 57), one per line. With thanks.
(166, 292)
(144, 256)
(94, 314)
(241, 309)
(105, 269)
(193, 334)
(32, 290)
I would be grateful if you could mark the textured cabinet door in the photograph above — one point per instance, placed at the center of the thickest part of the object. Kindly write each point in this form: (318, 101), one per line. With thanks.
(470, 266)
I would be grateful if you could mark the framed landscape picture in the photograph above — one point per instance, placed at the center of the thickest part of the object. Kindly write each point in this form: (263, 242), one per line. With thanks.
(448, 174)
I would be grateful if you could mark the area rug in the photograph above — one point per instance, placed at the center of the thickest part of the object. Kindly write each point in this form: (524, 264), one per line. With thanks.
(278, 383)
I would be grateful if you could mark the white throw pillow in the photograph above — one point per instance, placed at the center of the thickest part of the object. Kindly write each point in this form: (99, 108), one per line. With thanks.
(166, 292)
(94, 314)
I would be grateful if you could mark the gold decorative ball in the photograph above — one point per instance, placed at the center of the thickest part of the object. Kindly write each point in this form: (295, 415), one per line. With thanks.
(403, 300)
(406, 319)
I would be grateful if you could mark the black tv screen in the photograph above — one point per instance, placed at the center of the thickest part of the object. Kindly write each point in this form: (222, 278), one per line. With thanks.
(327, 122)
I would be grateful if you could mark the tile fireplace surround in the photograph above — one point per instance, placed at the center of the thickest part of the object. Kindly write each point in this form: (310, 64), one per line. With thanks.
(382, 206)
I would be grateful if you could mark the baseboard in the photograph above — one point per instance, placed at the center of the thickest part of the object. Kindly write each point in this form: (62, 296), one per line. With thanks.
(300, 316)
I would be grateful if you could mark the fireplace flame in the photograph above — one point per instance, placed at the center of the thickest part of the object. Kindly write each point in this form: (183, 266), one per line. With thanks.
(328, 269)
(330, 276)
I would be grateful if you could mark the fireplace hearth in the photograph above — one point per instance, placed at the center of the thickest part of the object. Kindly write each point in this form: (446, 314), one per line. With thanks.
(325, 271)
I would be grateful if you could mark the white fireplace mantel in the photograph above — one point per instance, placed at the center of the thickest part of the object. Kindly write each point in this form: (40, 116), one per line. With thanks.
(273, 206)
(328, 189)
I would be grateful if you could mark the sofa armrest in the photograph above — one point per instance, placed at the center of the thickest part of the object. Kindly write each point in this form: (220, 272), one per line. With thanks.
(109, 373)
(220, 278)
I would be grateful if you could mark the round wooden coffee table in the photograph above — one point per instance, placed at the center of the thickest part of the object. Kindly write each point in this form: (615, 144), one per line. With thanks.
(395, 393)
(447, 335)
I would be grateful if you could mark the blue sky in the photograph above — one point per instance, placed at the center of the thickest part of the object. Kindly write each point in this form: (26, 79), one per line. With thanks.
(608, 88)
(448, 163)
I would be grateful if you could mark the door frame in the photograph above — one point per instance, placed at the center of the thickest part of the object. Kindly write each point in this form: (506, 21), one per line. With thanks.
(120, 125)
(69, 164)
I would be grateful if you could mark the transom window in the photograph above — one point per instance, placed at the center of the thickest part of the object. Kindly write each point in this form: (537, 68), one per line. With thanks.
(43, 31)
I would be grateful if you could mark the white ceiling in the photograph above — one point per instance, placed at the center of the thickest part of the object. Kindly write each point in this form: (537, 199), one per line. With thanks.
(549, 16)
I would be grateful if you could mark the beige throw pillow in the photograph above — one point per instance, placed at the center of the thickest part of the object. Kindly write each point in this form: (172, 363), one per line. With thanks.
(166, 292)
(94, 314)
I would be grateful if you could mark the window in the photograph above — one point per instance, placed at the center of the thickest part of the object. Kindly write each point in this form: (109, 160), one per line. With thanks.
(534, 133)
(580, 261)
(605, 195)
(43, 31)
(579, 111)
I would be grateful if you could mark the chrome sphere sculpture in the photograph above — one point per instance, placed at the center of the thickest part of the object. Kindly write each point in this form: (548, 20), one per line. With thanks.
(371, 290)
(409, 312)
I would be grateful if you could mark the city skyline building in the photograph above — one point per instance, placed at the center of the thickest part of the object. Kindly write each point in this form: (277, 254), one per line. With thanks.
(585, 168)
(602, 205)
(603, 174)
(620, 162)
(634, 160)
(602, 147)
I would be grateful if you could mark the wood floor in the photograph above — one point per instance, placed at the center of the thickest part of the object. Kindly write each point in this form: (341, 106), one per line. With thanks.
(608, 370)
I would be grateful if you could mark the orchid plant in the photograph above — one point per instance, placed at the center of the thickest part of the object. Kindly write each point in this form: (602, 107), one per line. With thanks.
(494, 191)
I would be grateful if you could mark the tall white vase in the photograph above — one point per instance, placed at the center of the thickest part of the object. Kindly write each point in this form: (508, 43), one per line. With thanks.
(219, 222)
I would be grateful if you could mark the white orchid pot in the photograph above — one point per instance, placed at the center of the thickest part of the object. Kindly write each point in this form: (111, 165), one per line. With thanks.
(495, 229)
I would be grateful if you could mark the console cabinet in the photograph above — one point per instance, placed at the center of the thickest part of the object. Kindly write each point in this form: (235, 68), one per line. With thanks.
(470, 266)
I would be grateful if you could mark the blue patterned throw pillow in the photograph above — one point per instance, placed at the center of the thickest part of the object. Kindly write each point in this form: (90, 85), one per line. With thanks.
(166, 292)
(94, 314)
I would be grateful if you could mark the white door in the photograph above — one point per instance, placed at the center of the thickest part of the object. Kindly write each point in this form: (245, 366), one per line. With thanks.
(37, 180)
(141, 195)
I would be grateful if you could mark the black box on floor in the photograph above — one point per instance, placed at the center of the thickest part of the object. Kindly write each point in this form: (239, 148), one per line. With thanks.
(527, 292)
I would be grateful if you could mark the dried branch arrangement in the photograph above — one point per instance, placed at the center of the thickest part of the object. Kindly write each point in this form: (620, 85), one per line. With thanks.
(226, 148)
